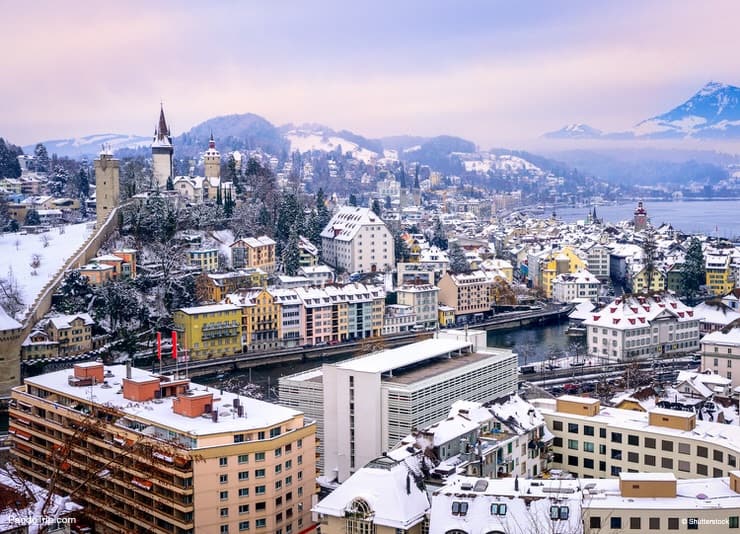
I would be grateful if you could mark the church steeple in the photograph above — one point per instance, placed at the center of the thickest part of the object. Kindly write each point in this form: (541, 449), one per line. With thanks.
(162, 152)
(161, 131)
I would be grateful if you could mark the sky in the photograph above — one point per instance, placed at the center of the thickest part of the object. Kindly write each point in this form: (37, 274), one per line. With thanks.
(499, 73)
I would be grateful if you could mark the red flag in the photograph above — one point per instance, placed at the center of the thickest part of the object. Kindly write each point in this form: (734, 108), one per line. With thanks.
(174, 345)
(159, 346)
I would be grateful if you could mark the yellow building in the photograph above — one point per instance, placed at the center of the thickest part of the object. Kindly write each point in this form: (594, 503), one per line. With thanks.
(98, 273)
(564, 261)
(718, 273)
(255, 252)
(210, 331)
(263, 321)
(640, 281)
(205, 259)
(73, 333)
(38, 346)
(217, 285)
(162, 455)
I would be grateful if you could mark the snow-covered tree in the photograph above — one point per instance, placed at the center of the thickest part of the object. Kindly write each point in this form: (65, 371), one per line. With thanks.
(693, 273)
(41, 157)
(291, 253)
(11, 297)
(74, 294)
(458, 262)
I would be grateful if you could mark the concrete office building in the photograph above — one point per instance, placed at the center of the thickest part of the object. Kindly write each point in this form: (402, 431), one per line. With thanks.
(364, 406)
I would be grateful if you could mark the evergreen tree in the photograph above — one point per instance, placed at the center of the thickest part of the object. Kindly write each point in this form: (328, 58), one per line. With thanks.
(41, 157)
(291, 254)
(458, 262)
(228, 204)
(352, 199)
(170, 185)
(219, 199)
(377, 210)
(83, 183)
(74, 294)
(439, 237)
(400, 247)
(693, 274)
(290, 215)
(9, 166)
(32, 218)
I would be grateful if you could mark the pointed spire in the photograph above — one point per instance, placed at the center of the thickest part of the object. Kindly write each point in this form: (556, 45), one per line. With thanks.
(211, 142)
(162, 129)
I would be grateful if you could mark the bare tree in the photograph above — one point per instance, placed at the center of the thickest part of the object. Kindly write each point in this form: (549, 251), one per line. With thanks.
(45, 240)
(10, 294)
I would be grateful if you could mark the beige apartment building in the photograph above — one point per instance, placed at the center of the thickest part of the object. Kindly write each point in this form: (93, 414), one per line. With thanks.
(154, 453)
(595, 442)
(721, 354)
(466, 293)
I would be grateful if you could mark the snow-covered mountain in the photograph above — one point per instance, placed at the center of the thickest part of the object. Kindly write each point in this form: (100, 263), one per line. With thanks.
(575, 131)
(90, 145)
(306, 139)
(712, 113)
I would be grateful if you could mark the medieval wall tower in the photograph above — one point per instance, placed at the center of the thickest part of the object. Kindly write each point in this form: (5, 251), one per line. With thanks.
(107, 180)
(162, 152)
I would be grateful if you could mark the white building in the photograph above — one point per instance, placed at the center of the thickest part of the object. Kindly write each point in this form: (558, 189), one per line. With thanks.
(424, 300)
(364, 406)
(398, 318)
(721, 353)
(319, 275)
(580, 285)
(641, 327)
(357, 240)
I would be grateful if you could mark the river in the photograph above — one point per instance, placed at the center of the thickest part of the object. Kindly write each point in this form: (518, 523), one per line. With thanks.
(532, 343)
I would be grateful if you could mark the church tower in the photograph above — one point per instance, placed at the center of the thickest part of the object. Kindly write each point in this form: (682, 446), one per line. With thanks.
(106, 184)
(641, 218)
(212, 160)
(162, 151)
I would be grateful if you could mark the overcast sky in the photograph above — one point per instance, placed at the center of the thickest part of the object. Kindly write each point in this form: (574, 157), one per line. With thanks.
(493, 72)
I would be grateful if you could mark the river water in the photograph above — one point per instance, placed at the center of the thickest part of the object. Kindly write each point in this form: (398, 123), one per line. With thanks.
(532, 343)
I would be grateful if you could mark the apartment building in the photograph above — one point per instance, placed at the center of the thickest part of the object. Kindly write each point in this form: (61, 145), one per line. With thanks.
(357, 240)
(719, 273)
(577, 286)
(254, 252)
(720, 353)
(392, 391)
(215, 286)
(205, 259)
(423, 299)
(152, 453)
(467, 293)
(597, 260)
(290, 316)
(642, 327)
(595, 442)
(210, 331)
(73, 333)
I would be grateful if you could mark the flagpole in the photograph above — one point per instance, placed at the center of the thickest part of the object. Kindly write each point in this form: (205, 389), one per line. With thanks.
(159, 350)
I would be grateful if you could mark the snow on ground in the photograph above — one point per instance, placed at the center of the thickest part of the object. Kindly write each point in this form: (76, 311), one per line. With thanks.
(307, 141)
(16, 255)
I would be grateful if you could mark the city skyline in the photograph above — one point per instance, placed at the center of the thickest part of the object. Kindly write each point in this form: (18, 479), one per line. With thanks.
(497, 74)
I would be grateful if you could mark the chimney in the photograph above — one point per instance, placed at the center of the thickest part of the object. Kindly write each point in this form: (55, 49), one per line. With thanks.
(128, 369)
(214, 416)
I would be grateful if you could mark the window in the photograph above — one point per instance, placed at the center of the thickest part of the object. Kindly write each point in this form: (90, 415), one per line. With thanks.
(615, 522)
(224, 529)
(666, 445)
(702, 452)
(666, 463)
(459, 508)
(224, 512)
(288, 480)
(498, 509)
(557, 442)
(243, 475)
(649, 443)
(701, 469)
(616, 437)
(684, 448)
(684, 465)
(573, 444)
(259, 490)
(243, 525)
(616, 470)
(588, 446)
(557, 425)
(275, 432)
(288, 464)
(594, 521)
(243, 508)
(223, 461)
(299, 443)
(635, 523)
(654, 523)
(243, 492)
(633, 457)
(259, 473)
(260, 523)
(260, 506)
(278, 469)
(573, 460)
(633, 440)
(238, 438)
(259, 456)
(278, 452)
(602, 433)
(602, 449)
(616, 454)
(588, 463)
(561, 513)
(602, 465)
(731, 461)
(734, 521)
(224, 495)
(278, 484)
(243, 458)
(573, 428)
(223, 479)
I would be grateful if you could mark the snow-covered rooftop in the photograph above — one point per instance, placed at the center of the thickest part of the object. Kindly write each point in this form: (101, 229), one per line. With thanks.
(387, 360)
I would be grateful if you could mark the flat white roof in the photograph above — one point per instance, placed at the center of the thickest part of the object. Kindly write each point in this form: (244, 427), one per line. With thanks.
(637, 477)
(387, 360)
(574, 398)
(673, 413)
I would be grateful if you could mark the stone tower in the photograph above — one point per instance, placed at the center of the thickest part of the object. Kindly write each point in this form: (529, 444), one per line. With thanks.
(162, 152)
(641, 217)
(212, 160)
(106, 184)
